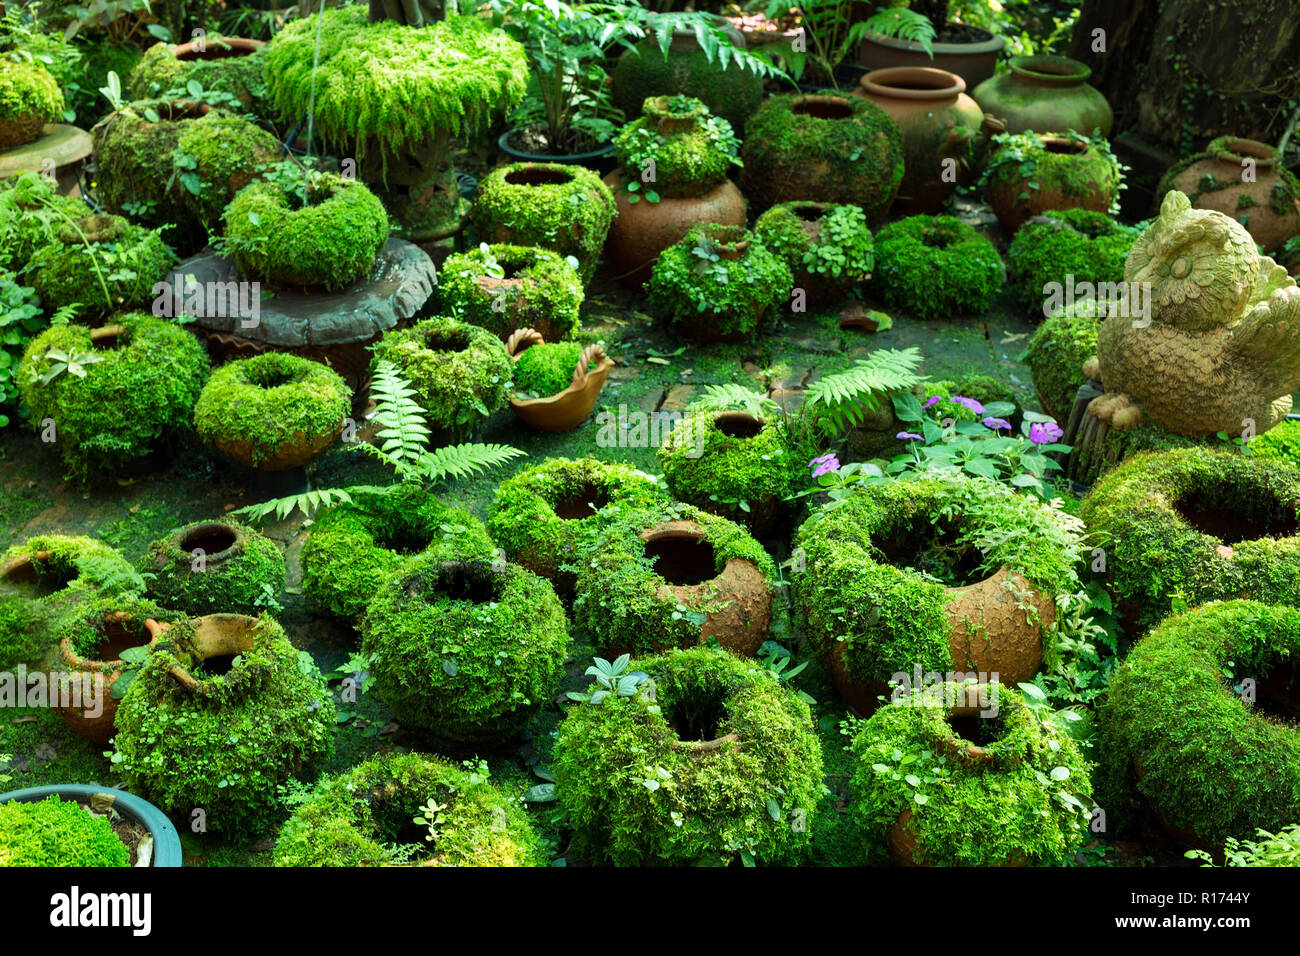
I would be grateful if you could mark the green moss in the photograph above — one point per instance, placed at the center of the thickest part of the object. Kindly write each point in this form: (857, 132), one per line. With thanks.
(27, 90)
(102, 263)
(230, 575)
(502, 288)
(1281, 442)
(1087, 246)
(704, 295)
(466, 650)
(275, 400)
(686, 162)
(566, 209)
(1162, 517)
(460, 372)
(626, 604)
(223, 154)
(1211, 763)
(547, 369)
(56, 832)
(227, 746)
(86, 627)
(354, 548)
(90, 74)
(879, 565)
(1055, 356)
(935, 266)
(159, 73)
(632, 782)
(31, 214)
(842, 247)
(48, 578)
(713, 461)
(729, 92)
(390, 88)
(145, 386)
(859, 157)
(540, 511)
(1010, 804)
(331, 240)
(1024, 162)
(364, 817)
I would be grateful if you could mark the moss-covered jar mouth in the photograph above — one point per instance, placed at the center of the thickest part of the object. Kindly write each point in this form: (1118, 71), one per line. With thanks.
(215, 540)
(539, 174)
(921, 83)
(823, 107)
(698, 719)
(1236, 150)
(681, 554)
(217, 48)
(738, 424)
(469, 582)
(106, 338)
(1049, 70)
(1063, 145)
(176, 110)
(969, 736)
(96, 229)
(217, 640)
(582, 502)
(36, 575)
(729, 242)
(674, 114)
(117, 631)
(446, 341)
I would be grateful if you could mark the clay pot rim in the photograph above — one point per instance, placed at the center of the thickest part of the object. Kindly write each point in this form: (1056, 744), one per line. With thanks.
(215, 525)
(940, 84)
(227, 47)
(1025, 66)
(72, 659)
(181, 674)
(823, 99)
(22, 561)
(730, 242)
(598, 363)
(705, 746)
(1238, 148)
(1074, 146)
(679, 529)
(567, 174)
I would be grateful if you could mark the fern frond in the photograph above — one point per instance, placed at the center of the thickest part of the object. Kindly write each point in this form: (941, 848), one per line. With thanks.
(845, 397)
(734, 396)
(463, 461)
(403, 431)
(307, 502)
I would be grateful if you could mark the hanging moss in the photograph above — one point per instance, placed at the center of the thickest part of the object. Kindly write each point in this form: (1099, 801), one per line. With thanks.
(354, 548)
(466, 650)
(1020, 794)
(228, 744)
(503, 288)
(547, 369)
(57, 832)
(331, 240)
(1060, 246)
(363, 817)
(276, 400)
(935, 266)
(638, 783)
(102, 264)
(29, 98)
(1055, 356)
(460, 372)
(383, 87)
(227, 154)
(1211, 763)
(566, 209)
(145, 385)
(31, 214)
(236, 571)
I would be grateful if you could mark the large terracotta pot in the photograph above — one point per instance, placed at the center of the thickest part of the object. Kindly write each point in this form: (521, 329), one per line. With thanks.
(1047, 94)
(643, 229)
(941, 126)
(974, 62)
(1268, 206)
(1077, 183)
(118, 637)
(566, 410)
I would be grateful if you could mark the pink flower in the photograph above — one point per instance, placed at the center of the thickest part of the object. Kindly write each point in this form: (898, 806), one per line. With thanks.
(824, 465)
(997, 424)
(1045, 433)
(969, 403)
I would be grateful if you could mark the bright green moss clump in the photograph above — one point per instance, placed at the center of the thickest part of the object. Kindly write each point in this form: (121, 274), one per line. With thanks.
(364, 818)
(160, 71)
(547, 369)
(688, 149)
(539, 511)
(102, 263)
(29, 98)
(329, 239)
(466, 650)
(229, 741)
(1011, 790)
(1088, 246)
(1165, 519)
(1057, 350)
(460, 372)
(236, 570)
(47, 578)
(354, 548)
(223, 154)
(936, 266)
(1211, 763)
(1281, 442)
(145, 384)
(828, 248)
(31, 214)
(503, 288)
(566, 209)
(56, 832)
(276, 401)
(717, 762)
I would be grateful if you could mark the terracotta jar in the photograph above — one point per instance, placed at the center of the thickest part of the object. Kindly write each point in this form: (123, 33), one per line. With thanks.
(1266, 202)
(1047, 94)
(942, 128)
(1067, 174)
(566, 410)
(119, 634)
(974, 60)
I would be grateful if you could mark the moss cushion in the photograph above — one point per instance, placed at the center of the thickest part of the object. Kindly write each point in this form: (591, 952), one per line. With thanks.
(223, 154)
(936, 266)
(1088, 246)
(57, 832)
(100, 263)
(502, 288)
(215, 567)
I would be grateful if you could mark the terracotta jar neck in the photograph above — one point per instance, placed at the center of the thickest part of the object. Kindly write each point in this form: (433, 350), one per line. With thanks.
(1049, 71)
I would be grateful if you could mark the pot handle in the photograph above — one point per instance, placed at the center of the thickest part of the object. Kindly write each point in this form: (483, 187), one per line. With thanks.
(592, 355)
(521, 339)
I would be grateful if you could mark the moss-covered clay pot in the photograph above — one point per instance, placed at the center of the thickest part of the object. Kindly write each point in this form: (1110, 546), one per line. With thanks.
(1268, 204)
(567, 409)
(1068, 174)
(29, 98)
(837, 149)
(828, 248)
(222, 64)
(941, 128)
(1048, 94)
(214, 567)
(506, 288)
(119, 630)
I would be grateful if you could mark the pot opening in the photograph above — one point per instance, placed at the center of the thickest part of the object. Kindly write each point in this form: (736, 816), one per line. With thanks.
(933, 549)
(582, 503)
(682, 557)
(1237, 514)
(402, 540)
(473, 582)
(106, 343)
(272, 378)
(827, 108)
(737, 424)
(697, 714)
(939, 237)
(974, 729)
(1235, 150)
(176, 110)
(38, 578)
(214, 50)
(393, 812)
(809, 212)
(117, 635)
(535, 176)
(1277, 694)
(218, 665)
(1063, 147)
(447, 341)
(210, 539)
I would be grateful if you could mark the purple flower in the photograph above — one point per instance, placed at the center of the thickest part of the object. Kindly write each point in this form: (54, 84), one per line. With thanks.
(997, 424)
(969, 403)
(824, 464)
(909, 436)
(1045, 433)
(930, 401)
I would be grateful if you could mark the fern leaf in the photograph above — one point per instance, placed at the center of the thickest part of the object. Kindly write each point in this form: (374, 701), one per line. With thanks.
(463, 461)
(731, 396)
(844, 398)
(403, 431)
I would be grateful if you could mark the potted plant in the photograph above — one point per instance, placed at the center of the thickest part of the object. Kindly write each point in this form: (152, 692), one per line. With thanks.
(897, 39)
(80, 825)
(503, 288)
(215, 566)
(827, 247)
(936, 266)
(29, 98)
(100, 264)
(1028, 174)
(555, 385)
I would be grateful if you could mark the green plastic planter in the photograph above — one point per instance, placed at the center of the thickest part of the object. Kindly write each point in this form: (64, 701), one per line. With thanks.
(166, 842)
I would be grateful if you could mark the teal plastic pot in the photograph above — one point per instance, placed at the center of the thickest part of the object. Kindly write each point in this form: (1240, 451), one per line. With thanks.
(166, 841)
